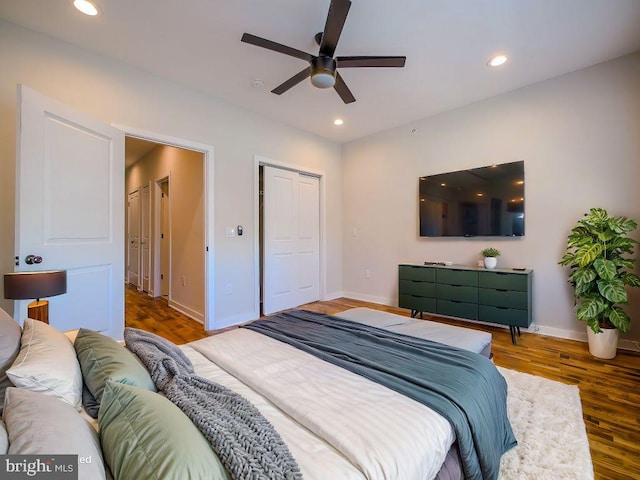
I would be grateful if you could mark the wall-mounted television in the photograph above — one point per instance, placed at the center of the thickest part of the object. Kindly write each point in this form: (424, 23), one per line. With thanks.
(480, 202)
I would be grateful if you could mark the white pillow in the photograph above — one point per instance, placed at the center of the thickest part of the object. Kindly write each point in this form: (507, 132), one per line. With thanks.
(47, 363)
(9, 347)
(43, 425)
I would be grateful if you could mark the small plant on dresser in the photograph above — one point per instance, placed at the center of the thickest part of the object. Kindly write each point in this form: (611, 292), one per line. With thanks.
(490, 255)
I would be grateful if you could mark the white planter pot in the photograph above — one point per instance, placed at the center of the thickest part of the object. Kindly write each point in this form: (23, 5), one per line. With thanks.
(490, 262)
(603, 344)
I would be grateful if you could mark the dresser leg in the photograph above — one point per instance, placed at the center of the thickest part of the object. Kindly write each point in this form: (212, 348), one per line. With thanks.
(512, 330)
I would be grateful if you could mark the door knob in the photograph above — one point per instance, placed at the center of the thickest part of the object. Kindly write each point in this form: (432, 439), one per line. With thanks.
(31, 259)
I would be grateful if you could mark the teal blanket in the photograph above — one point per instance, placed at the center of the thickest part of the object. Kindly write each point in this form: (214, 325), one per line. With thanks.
(462, 386)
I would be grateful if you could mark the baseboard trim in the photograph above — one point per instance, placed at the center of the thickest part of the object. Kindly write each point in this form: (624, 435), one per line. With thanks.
(231, 321)
(333, 296)
(197, 316)
(370, 298)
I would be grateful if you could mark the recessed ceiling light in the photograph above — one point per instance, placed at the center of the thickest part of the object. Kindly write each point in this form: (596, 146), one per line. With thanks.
(86, 7)
(257, 83)
(338, 121)
(497, 60)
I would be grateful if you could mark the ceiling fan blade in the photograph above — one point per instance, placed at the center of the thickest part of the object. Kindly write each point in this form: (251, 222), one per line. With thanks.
(293, 81)
(355, 62)
(343, 90)
(336, 17)
(276, 47)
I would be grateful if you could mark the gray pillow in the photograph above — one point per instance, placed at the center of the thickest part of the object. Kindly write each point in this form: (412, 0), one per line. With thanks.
(145, 436)
(40, 424)
(9, 347)
(4, 439)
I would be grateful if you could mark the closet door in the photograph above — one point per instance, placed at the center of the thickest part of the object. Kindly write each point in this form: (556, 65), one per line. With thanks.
(291, 239)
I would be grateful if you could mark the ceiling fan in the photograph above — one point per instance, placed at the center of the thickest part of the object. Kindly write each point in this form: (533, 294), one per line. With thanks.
(323, 68)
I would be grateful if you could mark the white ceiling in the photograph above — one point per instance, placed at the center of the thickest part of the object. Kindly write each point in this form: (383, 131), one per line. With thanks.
(447, 44)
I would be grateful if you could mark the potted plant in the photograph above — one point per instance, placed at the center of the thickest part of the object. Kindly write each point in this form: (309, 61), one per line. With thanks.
(490, 255)
(600, 272)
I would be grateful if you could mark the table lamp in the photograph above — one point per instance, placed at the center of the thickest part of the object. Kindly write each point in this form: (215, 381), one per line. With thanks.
(35, 285)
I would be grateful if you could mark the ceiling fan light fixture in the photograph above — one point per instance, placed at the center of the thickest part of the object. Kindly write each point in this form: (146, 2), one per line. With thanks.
(324, 72)
(86, 7)
(323, 79)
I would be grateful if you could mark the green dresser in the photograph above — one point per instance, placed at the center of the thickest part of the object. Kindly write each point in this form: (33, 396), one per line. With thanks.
(501, 296)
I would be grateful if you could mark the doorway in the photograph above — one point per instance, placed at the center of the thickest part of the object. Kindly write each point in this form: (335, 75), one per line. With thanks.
(133, 238)
(171, 183)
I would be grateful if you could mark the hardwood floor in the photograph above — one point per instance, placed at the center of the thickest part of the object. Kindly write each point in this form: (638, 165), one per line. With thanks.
(155, 315)
(609, 389)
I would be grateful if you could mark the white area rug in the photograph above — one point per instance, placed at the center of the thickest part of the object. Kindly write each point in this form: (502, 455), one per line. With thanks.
(546, 417)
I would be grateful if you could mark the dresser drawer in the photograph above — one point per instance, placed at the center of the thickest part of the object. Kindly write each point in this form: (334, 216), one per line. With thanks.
(414, 287)
(503, 298)
(503, 315)
(422, 304)
(502, 280)
(423, 274)
(457, 277)
(460, 293)
(457, 309)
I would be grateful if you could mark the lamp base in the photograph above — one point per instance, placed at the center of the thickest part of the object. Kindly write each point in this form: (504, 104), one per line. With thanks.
(39, 310)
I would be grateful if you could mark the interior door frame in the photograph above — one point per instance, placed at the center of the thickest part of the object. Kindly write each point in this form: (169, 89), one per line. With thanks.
(208, 178)
(159, 223)
(264, 161)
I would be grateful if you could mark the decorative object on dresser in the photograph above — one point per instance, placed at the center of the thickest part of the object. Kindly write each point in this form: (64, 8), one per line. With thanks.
(501, 296)
(598, 251)
(490, 255)
(35, 285)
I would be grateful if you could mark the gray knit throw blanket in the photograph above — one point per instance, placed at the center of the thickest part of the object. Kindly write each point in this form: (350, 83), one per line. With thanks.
(246, 443)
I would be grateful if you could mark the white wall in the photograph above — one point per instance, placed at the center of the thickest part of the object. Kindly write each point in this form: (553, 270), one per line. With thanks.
(579, 136)
(116, 93)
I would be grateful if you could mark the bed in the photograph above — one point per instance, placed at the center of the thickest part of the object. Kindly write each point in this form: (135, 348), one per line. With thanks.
(332, 422)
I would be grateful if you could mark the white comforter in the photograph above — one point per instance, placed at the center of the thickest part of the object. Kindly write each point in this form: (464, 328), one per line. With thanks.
(337, 424)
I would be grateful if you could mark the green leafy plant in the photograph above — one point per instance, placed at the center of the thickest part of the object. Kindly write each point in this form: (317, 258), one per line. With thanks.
(600, 272)
(490, 252)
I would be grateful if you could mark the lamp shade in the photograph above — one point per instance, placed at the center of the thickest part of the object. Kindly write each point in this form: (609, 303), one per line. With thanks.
(30, 285)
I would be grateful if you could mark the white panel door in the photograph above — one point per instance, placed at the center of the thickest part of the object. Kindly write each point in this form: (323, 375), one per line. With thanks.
(145, 236)
(308, 251)
(133, 238)
(70, 210)
(291, 239)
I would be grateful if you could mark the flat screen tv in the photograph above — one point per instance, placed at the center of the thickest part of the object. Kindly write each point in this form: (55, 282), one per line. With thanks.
(480, 202)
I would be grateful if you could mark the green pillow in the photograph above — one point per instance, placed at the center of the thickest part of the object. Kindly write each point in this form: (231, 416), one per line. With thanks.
(145, 436)
(102, 359)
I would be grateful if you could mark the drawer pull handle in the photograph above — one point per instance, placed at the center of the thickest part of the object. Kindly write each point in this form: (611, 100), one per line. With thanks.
(503, 308)
(501, 290)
